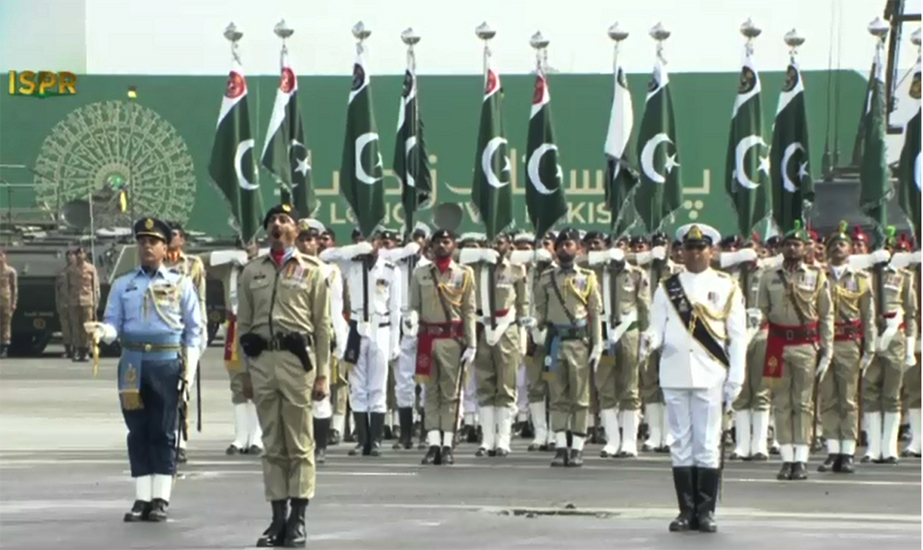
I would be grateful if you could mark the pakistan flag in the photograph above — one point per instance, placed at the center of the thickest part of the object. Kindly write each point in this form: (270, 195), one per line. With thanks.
(792, 186)
(491, 193)
(659, 193)
(544, 196)
(908, 172)
(232, 165)
(747, 168)
(361, 170)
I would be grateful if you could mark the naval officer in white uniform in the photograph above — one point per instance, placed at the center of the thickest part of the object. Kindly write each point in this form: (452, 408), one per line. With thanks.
(698, 321)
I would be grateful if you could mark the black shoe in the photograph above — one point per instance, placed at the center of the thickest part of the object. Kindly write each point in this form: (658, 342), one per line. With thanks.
(82, 354)
(320, 456)
(295, 535)
(502, 453)
(68, 351)
(405, 417)
(707, 482)
(759, 457)
(181, 456)
(832, 464)
(492, 453)
(560, 457)
(275, 534)
(377, 427)
(575, 459)
(255, 450)
(785, 474)
(481, 453)
(847, 466)
(432, 455)
(662, 449)
(140, 511)
(890, 460)
(334, 438)
(447, 458)
(866, 459)
(233, 450)
(362, 434)
(158, 511)
(799, 471)
(685, 489)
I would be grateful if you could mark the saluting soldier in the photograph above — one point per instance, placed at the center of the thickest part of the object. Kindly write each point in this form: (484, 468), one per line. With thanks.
(83, 299)
(698, 321)
(853, 349)
(897, 337)
(795, 299)
(285, 331)
(9, 295)
(154, 312)
(568, 306)
(442, 294)
(60, 300)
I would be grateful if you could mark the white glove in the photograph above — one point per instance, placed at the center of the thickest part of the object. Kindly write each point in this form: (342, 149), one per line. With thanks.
(101, 332)
(729, 392)
(411, 323)
(754, 317)
(911, 358)
(645, 347)
(659, 253)
(823, 364)
(395, 352)
(865, 362)
(193, 354)
(616, 254)
(469, 354)
(595, 355)
(526, 322)
(538, 336)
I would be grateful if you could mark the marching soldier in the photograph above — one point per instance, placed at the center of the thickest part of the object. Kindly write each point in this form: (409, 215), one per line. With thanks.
(524, 244)
(536, 381)
(897, 338)
(9, 295)
(568, 307)
(442, 294)
(83, 299)
(795, 300)
(60, 300)
(339, 388)
(499, 349)
(285, 330)
(154, 312)
(470, 429)
(193, 268)
(853, 348)
(698, 320)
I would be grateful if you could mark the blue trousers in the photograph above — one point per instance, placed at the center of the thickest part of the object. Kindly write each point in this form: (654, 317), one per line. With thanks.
(152, 429)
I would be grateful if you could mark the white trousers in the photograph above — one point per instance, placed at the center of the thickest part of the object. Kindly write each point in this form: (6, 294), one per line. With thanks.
(368, 381)
(404, 384)
(695, 418)
(522, 391)
(470, 405)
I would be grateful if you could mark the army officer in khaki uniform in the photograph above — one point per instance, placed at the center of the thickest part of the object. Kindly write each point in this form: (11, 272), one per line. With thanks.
(285, 329)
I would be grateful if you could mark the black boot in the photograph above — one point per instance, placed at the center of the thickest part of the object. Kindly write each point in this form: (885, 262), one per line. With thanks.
(831, 464)
(362, 434)
(275, 534)
(799, 471)
(68, 351)
(405, 419)
(321, 433)
(82, 354)
(375, 434)
(847, 466)
(447, 457)
(158, 511)
(295, 535)
(785, 474)
(139, 512)
(560, 457)
(575, 459)
(707, 482)
(335, 437)
(432, 456)
(682, 481)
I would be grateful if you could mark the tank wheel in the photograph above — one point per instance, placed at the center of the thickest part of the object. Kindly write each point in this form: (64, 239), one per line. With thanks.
(31, 344)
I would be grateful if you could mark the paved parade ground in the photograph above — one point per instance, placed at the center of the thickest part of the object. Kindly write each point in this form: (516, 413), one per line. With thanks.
(64, 483)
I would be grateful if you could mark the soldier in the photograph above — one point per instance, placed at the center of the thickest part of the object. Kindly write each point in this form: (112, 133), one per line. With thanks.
(897, 337)
(193, 268)
(860, 241)
(442, 295)
(339, 389)
(853, 348)
(390, 241)
(499, 349)
(536, 381)
(524, 244)
(568, 306)
(155, 314)
(470, 429)
(9, 295)
(60, 300)
(795, 300)
(83, 299)
(285, 330)
(698, 320)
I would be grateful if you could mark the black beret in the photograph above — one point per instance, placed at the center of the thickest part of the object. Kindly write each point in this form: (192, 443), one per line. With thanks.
(387, 234)
(639, 239)
(280, 209)
(593, 235)
(567, 234)
(659, 239)
(440, 234)
(152, 227)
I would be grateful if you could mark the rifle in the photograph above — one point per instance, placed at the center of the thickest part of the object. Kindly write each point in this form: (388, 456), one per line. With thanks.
(198, 397)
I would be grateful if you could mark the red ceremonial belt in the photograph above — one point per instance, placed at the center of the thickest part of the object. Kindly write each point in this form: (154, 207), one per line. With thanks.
(427, 334)
(781, 337)
(847, 331)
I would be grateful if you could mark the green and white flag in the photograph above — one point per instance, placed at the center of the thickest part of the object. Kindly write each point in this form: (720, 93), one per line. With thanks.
(874, 175)
(859, 146)
(659, 193)
(747, 167)
(361, 170)
(792, 186)
(410, 163)
(232, 165)
(544, 194)
(284, 153)
(621, 174)
(491, 193)
(908, 172)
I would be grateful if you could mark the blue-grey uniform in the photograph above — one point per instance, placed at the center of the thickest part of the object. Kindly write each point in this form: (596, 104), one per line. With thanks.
(154, 313)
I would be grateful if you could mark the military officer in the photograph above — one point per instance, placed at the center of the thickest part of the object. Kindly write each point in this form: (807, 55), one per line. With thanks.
(83, 299)
(154, 312)
(698, 321)
(853, 349)
(285, 331)
(499, 349)
(442, 295)
(795, 300)
(60, 300)
(9, 295)
(568, 306)
(896, 322)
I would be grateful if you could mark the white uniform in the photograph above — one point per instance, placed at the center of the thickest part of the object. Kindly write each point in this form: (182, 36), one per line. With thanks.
(323, 408)
(404, 384)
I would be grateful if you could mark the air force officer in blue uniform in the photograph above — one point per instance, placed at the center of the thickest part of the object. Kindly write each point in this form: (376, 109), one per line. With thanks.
(154, 313)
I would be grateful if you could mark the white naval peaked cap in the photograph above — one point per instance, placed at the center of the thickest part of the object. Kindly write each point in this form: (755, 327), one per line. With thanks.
(422, 228)
(472, 237)
(698, 232)
(524, 237)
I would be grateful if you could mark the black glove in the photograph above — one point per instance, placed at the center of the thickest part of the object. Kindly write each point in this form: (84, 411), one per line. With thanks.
(253, 344)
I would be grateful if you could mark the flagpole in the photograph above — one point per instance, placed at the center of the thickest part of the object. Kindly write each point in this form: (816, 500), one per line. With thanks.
(617, 211)
(485, 33)
(286, 194)
(410, 39)
(879, 29)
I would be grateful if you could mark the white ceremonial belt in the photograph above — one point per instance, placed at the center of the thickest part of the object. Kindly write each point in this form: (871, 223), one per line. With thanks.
(615, 334)
(892, 325)
(376, 322)
(492, 336)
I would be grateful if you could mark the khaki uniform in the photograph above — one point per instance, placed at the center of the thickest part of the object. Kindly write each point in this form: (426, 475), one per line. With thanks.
(83, 299)
(579, 325)
(9, 294)
(60, 300)
(538, 386)
(797, 306)
(192, 267)
(754, 395)
(275, 301)
(445, 304)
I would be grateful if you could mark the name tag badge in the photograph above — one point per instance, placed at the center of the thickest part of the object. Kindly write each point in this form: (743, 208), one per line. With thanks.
(713, 298)
(458, 279)
(809, 282)
(852, 285)
(580, 283)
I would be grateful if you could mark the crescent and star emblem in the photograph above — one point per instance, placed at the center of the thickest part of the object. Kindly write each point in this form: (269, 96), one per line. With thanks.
(743, 146)
(790, 151)
(300, 160)
(242, 171)
(535, 160)
(647, 158)
(362, 142)
(487, 162)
